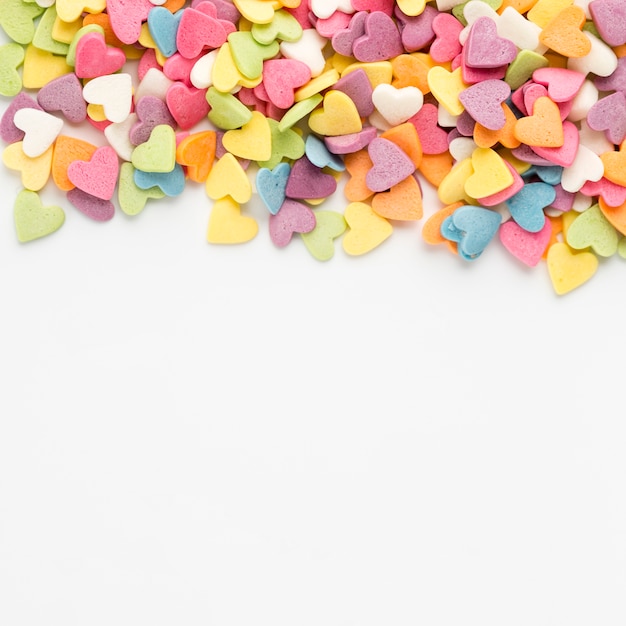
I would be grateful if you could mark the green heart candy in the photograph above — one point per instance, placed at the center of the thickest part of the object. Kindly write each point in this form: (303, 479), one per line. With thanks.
(592, 230)
(284, 26)
(328, 226)
(248, 54)
(11, 57)
(16, 19)
(32, 219)
(133, 199)
(43, 34)
(227, 112)
(158, 154)
(285, 144)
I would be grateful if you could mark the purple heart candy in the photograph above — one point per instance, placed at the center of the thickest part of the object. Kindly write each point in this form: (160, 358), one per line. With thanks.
(609, 114)
(483, 101)
(292, 217)
(307, 181)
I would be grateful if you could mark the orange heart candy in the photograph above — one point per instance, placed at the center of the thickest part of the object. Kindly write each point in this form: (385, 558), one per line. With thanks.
(563, 33)
(543, 128)
(197, 153)
(403, 202)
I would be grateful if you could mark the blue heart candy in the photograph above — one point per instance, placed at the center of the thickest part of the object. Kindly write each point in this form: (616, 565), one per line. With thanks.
(527, 205)
(550, 174)
(271, 184)
(317, 152)
(472, 228)
(170, 183)
(163, 28)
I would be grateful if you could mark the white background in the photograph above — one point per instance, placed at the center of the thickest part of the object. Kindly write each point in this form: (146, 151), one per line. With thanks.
(226, 436)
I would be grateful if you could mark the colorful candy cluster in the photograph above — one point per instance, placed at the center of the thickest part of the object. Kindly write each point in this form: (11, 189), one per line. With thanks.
(514, 110)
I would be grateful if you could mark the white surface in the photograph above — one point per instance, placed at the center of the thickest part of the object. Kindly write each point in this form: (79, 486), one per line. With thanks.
(195, 434)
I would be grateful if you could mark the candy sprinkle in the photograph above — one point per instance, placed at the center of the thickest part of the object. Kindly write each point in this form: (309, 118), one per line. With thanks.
(514, 112)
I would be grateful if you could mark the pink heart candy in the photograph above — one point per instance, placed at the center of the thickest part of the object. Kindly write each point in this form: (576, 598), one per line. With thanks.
(197, 31)
(562, 84)
(446, 45)
(391, 165)
(381, 41)
(353, 142)
(94, 58)
(98, 176)
(281, 77)
(64, 94)
(188, 105)
(127, 17)
(329, 26)
(386, 6)
(613, 195)
(484, 48)
(433, 138)
(526, 246)
(292, 217)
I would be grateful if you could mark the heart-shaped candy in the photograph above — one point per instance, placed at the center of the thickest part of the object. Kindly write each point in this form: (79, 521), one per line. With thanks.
(484, 48)
(567, 269)
(483, 101)
(40, 130)
(367, 229)
(592, 230)
(292, 217)
(472, 228)
(227, 225)
(98, 175)
(526, 246)
(271, 185)
(391, 165)
(320, 241)
(32, 219)
(528, 204)
(64, 94)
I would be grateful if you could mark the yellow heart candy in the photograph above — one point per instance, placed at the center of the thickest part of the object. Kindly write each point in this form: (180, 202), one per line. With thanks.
(228, 178)
(227, 225)
(412, 7)
(40, 67)
(491, 174)
(446, 87)
(569, 270)
(70, 10)
(252, 141)
(338, 115)
(35, 171)
(452, 187)
(367, 229)
(257, 11)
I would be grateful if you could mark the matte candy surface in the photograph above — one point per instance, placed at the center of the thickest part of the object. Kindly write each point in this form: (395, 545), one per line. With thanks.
(514, 112)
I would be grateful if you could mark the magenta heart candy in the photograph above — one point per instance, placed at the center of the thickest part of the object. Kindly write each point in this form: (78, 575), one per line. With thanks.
(292, 217)
(526, 246)
(358, 87)
(609, 114)
(98, 176)
(483, 101)
(416, 30)
(95, 208)
(64, 94)
(381, 41)
(386, 6)
(433, 138)
(562, 84)
(308, 182)
(565, 154)
(9, 132)
(197, 31)
(391, 165)
(151, 111)
(609, 17)
(484, 48)
(187, 105)
(94, 58)
(343, 40)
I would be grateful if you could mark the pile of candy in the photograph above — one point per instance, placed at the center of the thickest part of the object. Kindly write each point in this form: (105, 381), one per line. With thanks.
(514, 110)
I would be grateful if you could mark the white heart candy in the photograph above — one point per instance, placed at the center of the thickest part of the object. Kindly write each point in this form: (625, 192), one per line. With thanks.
(586, 166)
(601, 60)
(307, 49)
(118, 136)
(323, 9)
(523, 33)
(40, 128)
(154, 83)
(200, 75)
(462, 148)
(397, 105)
(114, 92)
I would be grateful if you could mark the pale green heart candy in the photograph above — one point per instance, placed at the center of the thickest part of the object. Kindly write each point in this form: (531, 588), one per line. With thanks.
(158, 154)
(43, 34)
(133, 199)
(328, 226)
(227, 112)
(592, 230)
(32, 219)
(284, 27)
(16, 19)
(285, 144)
(11, 57)
(621, 247)
(248, 54)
